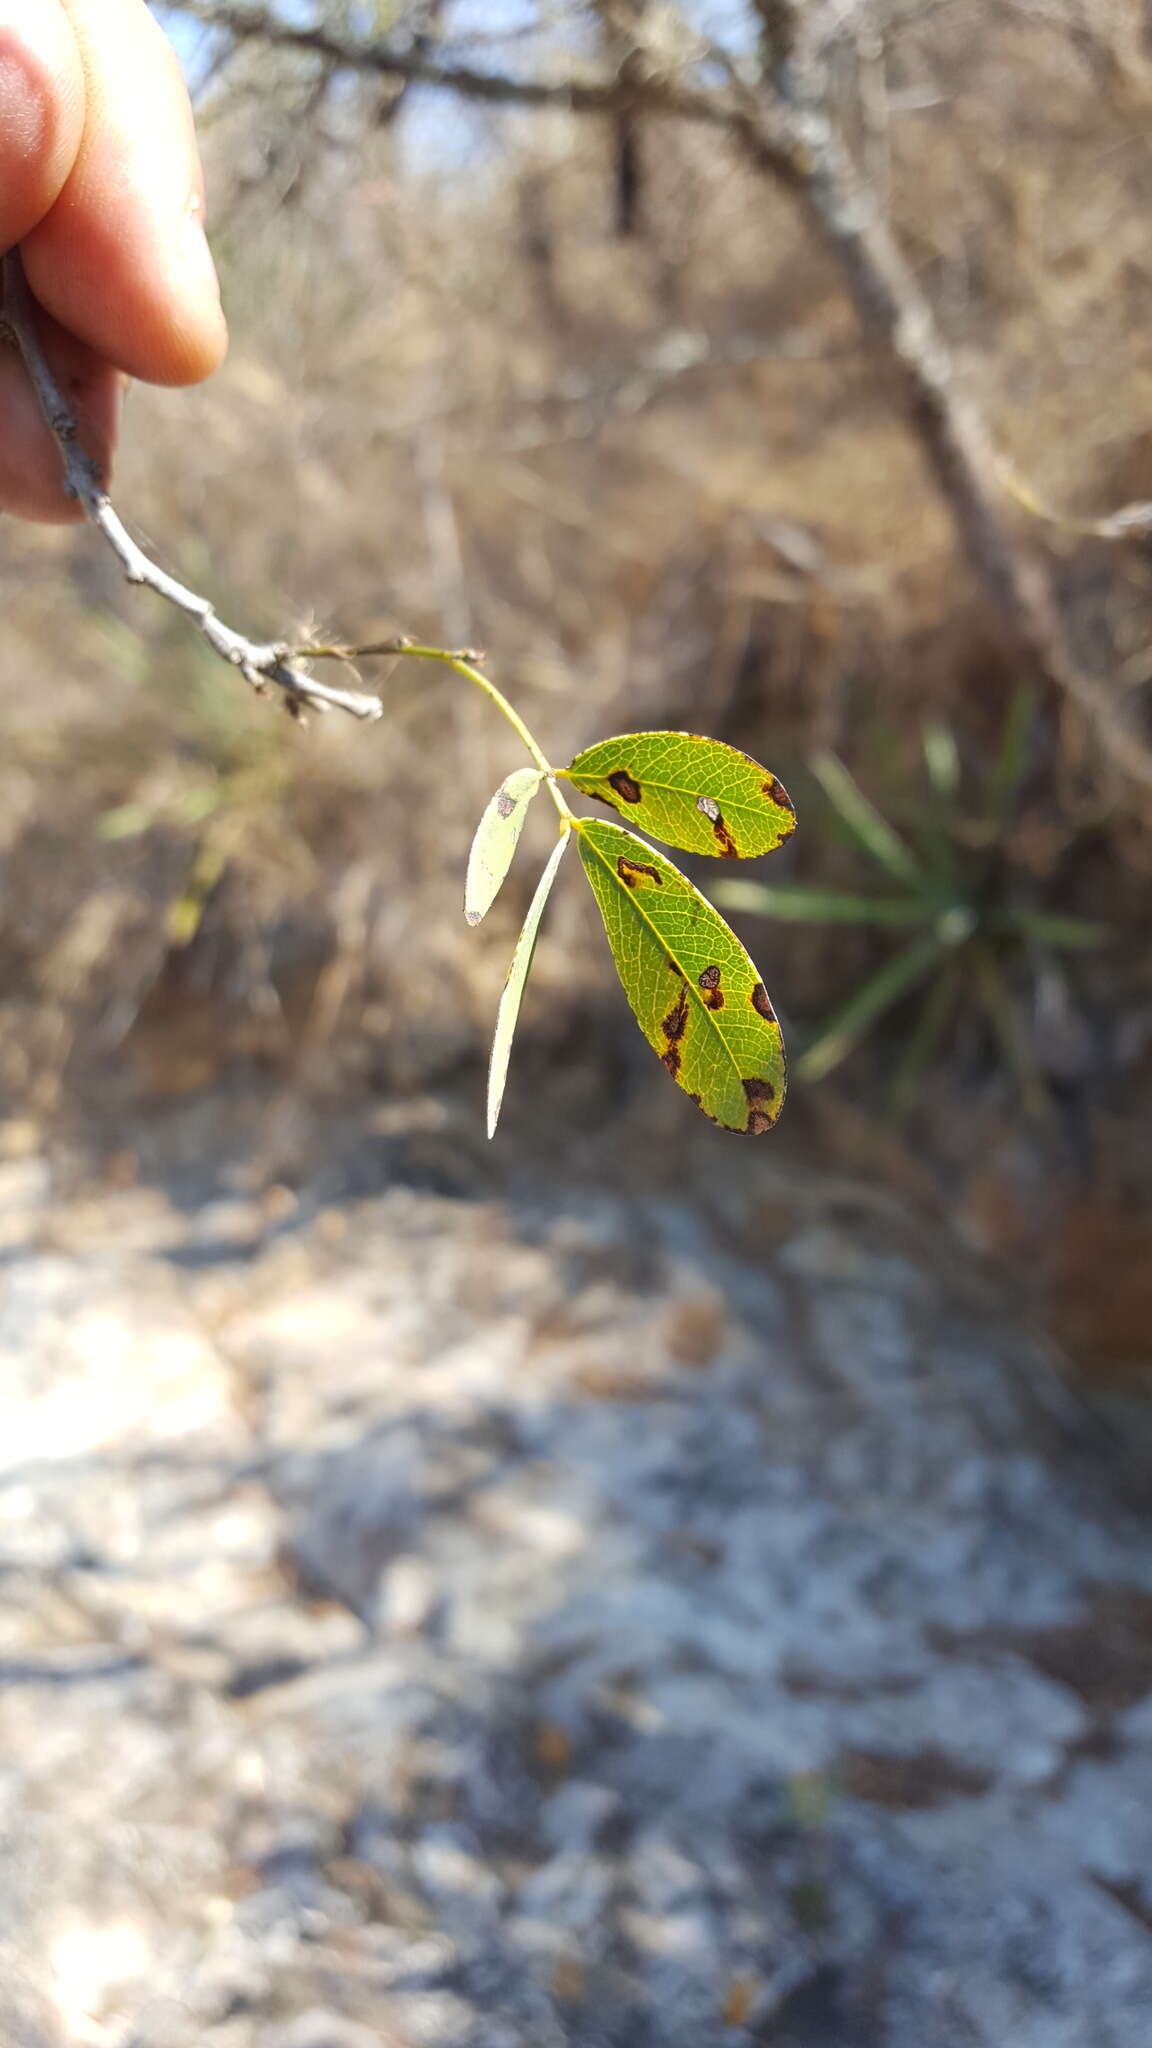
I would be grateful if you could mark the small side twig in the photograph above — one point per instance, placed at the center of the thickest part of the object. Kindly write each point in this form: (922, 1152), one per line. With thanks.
(1131, 522)
(265, 665)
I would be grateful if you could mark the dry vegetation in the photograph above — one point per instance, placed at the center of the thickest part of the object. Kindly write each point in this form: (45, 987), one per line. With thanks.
(660, 477)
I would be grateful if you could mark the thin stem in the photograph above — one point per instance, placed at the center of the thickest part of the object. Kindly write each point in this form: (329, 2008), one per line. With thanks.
(462, 662)
(261, 664)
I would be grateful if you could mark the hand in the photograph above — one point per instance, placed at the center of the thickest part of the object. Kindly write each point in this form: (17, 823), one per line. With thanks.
(100, 185)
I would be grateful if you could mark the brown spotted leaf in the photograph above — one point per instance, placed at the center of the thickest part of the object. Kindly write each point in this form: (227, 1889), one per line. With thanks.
(497, 837)
(517, 975)
(696, 995)
(688, 791)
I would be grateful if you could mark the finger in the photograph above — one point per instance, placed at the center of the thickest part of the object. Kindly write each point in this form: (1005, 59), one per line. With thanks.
(41, 111)
(121, 259)
(31, 468)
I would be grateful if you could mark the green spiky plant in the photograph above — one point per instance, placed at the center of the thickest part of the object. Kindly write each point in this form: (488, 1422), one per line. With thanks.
(952, 891)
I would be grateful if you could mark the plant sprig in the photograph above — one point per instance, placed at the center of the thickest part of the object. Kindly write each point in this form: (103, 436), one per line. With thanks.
(695, 993)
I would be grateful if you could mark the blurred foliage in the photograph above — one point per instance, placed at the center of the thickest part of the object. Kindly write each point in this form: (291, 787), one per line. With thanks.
(971, 906)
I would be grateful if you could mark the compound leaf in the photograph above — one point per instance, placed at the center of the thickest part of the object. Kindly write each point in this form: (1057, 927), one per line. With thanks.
(695, 994)
(497, 837)
(517, 975)
(688, 791)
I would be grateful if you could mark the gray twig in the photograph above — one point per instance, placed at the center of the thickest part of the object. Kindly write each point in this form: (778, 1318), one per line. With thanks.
(265, 665)
(659, 88)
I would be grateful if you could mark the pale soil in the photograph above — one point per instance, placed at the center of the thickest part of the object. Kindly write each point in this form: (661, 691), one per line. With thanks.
(497, 1621)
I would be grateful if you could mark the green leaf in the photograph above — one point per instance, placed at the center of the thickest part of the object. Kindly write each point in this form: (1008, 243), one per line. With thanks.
(796, 903)
(942, 758)
(696, 995)
(847, 1027)
(185, 914)
(928, 1032)
(688, 791)
(1050, 929)
(126, 821)
(1013, 757)
(497, 837)
(870, 831)
(515, 979)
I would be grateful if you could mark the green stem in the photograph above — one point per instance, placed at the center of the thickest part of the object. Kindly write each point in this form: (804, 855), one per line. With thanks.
(465, 668)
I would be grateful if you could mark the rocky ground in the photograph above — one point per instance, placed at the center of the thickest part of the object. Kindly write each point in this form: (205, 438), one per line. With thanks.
(440, 1619)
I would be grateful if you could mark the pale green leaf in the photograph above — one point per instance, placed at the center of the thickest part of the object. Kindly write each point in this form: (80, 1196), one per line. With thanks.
(688, 791)
(696, 995)
(496, 840)
(517, 975)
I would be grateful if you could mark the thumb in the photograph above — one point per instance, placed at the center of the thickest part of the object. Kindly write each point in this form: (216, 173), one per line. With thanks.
(41, 112)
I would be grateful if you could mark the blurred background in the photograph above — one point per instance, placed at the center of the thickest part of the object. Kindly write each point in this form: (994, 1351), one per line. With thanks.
(619, 1585)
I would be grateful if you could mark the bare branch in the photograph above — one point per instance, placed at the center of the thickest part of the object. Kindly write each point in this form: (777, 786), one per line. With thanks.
(264, 665)
(417, 65)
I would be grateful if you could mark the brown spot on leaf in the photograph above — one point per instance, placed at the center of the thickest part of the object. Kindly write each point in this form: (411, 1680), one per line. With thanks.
(761, 1003)
(759, 1092)
(626, 786)
(634, 873)
(676, 968)
(674, 1026)
(675, 1023)
(728, 847)
(774, 789)
(713, 993)
(505, 804)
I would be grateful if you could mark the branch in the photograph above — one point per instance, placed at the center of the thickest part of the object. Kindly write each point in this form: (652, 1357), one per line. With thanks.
(416, 65)
(804, 152)
(1130, 522)
(262, 665)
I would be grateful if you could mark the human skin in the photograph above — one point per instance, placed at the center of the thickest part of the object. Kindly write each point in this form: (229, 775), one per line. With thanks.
(100, 186)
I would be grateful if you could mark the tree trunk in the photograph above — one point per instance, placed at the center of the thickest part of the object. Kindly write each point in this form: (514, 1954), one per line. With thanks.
(805, 154)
